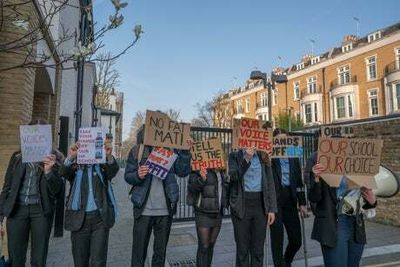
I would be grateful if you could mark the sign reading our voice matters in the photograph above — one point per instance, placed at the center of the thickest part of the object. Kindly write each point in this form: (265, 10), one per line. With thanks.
(36, 142)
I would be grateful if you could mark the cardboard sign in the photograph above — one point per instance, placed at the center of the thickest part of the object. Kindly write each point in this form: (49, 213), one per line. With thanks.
(285, 146)
(358, 159)
(160, 162)
(208, 154)
(36, 142)
(161, 131)
(249, 133)
(337, 131)
(91, 145)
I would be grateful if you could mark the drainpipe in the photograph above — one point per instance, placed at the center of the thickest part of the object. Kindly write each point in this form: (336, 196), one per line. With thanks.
(324, 98)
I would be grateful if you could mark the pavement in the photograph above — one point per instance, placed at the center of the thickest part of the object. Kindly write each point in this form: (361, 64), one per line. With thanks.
(382, 250)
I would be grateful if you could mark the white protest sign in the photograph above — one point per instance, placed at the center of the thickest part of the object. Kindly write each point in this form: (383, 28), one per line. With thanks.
(285, 146)
(160, 161)
(36, 142)
(91, 145)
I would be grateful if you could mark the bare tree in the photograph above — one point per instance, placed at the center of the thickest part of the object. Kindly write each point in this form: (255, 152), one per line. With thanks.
(222, 111)
(107, 78)
(137, 122)
(204, 115)
(173, 114)
(19, 17)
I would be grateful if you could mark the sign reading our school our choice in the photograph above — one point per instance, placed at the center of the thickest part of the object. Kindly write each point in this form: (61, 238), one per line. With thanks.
(249, 133)
(160, 161)
(91, 145)
(208, 154)
(36, 142)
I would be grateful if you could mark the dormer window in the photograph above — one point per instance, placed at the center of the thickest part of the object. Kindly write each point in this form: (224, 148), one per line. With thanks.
(315, 60)
(300, 66)
(374, 36)
(347, 48)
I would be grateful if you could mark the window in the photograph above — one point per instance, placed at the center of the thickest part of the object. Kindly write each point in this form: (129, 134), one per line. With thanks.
(398, 96)
(347, 48)
(374, 36)
(300, 66)
(296, 90)
(344, 74)
(373, 102)
(397, 52)
(239, 108)
(343, 107)
(371, 68)
(263, 100)
(315, 112)
(340, 108)
(247, 101)
(315, 60)
(350, 104)
(312, 85)
(274, 97)
(297, 115)
(308, 113)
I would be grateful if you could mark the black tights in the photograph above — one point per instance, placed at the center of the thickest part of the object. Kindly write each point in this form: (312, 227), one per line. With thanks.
(206, 241)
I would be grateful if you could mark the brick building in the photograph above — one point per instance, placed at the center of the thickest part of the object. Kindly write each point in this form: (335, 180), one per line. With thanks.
(357, 80)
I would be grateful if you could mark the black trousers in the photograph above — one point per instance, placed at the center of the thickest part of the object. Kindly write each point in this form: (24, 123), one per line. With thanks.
(142, 228)
(250, 232)
(23, 221)
(90, 243)
(287, 216)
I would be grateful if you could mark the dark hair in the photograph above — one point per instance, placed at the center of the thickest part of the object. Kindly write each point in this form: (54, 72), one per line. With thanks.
(140, 135)
(279, 131)
(38, 121)
(267, 124)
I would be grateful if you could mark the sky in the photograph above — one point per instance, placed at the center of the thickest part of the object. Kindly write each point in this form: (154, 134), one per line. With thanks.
(193, 49)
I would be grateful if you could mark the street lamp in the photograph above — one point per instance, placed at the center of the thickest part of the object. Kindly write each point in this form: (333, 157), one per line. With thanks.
(269, 85)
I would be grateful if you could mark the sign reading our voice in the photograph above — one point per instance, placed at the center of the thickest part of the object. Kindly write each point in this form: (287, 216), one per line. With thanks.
(36, 142)
(285, 146)
(161, 131)
(249, 133)
(208, 154)
(357, 158)
(160, 161)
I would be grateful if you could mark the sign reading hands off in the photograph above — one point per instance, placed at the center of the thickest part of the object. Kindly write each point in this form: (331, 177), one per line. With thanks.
(36, 142)
(356, 158)
(285, 146)
(161, 131)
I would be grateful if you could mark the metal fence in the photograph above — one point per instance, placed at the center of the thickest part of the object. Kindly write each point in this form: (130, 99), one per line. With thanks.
(184, 211)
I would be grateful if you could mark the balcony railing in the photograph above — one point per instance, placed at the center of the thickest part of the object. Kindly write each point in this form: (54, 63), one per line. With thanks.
(262, 104)
(306, 92)
(337, 83)
(392, 67)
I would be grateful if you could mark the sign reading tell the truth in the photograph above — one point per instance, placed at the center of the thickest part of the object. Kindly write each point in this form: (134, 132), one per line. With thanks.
(285, 146)
(160, 161)
(36, 142)
(356, 158)
(208, 154)
(248, 133)
(161, 131)
(91, 145)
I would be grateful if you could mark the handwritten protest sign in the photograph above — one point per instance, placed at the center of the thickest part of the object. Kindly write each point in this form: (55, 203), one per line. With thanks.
(250, 133)
(208, 154)
(160, 161)
(91, 145)
(161, 131)
(337, 131)
(358, 159)
(285, 146)
(36, 142)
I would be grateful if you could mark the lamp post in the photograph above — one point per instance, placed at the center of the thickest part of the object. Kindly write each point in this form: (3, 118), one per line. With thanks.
(269, 85)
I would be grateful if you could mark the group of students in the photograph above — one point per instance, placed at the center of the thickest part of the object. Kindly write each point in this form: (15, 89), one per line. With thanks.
(259, 191)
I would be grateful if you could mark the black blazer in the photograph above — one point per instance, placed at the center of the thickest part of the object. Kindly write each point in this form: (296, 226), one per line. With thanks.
(324, 199)
(49, 187)
(74, 218)
(296, 182)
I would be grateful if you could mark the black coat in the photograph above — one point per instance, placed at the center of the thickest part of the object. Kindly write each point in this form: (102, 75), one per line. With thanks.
(324, 199)
(296, 182)
(205, 194)
(49, 187)
(237, 168)
(74, 218)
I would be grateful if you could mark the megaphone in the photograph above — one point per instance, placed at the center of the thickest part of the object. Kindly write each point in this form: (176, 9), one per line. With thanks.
(388, 183)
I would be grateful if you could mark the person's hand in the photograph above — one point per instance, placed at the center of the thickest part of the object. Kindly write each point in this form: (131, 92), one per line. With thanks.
(270, 218)
(143, 171)
(190, 143)
(317, 170)
(249, 153)
(49, 162)
(304, 212)
(73, 151)
(109, 149)
(203, 174)
(368, 195)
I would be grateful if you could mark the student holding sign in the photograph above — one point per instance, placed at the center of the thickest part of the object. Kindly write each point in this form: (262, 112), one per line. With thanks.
(290, 194)
(28, 200)
(154, 200)
(91, 207)
(253, 203)
(338, 227)
(207, 194)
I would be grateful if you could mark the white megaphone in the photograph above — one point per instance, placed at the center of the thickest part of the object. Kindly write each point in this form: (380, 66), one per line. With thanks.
(388, 183)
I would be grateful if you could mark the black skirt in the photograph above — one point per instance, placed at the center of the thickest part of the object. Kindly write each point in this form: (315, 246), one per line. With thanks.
(207, 220)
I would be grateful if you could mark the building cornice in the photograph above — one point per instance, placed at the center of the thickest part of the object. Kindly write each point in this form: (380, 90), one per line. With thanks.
(247, 92)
